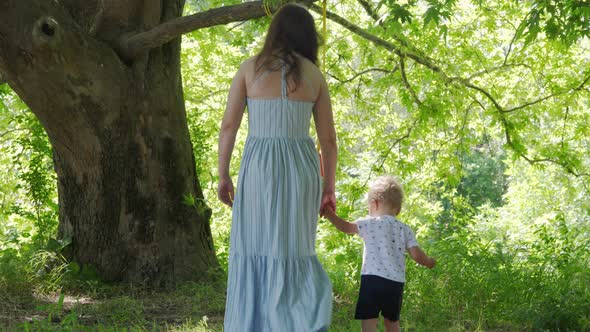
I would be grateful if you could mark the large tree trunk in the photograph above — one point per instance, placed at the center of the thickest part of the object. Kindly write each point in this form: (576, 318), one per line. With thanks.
(118, 127)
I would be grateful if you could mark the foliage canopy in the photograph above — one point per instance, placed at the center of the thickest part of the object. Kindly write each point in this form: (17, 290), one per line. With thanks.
(482, 109)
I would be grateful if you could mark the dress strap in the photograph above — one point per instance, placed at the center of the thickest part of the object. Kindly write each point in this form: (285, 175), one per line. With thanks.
(283, 82)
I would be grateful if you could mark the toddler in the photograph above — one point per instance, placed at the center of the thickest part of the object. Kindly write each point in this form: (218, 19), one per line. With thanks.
(386, 239)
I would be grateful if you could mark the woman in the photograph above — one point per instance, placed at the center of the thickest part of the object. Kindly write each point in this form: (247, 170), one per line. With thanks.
(275, 281)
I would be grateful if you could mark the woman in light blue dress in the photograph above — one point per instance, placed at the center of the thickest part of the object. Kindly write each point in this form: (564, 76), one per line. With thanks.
(275, 281)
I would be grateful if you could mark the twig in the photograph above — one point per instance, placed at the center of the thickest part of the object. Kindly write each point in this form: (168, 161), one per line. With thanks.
(391, 146)
(496, 68)
(356, 75)
(98, 18)
(9, 131)
(405, 80)
(567, 111)
(514, 38)
(578, 88)
(370, 11)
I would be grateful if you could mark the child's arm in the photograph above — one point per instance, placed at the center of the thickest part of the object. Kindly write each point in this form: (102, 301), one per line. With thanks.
(421, 258)
(341, 224)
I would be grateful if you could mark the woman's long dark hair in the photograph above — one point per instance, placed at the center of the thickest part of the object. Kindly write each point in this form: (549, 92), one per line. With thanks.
(292, 31)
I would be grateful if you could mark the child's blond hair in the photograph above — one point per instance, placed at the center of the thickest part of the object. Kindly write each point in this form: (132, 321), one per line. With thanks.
(386, 189)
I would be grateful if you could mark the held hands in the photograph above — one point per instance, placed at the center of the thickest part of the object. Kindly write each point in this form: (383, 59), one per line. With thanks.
(225, 191)
(328, 213)
(328, 202)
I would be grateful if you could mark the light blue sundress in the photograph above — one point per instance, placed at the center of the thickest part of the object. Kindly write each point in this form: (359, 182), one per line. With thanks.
(275, 281)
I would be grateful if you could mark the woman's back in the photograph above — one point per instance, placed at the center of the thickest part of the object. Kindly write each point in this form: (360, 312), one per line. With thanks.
(265, 83)
(273, 111)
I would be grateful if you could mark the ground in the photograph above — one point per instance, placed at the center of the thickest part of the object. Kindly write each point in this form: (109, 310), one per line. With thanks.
(189, 307)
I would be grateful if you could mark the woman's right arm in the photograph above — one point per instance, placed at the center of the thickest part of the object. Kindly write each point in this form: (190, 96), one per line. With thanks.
(324, 123)
(232, 118)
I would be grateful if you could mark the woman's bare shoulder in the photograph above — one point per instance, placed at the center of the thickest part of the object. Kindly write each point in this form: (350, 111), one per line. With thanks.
(310, 69)
(248, 64)
(247, 67)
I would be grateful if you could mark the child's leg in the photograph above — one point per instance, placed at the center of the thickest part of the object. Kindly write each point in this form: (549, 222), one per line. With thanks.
(391, 326)
(369, 325)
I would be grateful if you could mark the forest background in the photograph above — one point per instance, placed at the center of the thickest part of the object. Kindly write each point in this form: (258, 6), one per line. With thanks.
(482, 109)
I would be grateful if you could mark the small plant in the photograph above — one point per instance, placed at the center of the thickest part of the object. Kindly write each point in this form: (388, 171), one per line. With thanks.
(122, 311)
(56, 320)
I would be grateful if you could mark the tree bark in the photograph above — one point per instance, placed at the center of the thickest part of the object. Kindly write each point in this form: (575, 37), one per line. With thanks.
(122, 150)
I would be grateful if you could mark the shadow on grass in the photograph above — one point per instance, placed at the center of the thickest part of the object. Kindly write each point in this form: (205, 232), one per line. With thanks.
(190, 306)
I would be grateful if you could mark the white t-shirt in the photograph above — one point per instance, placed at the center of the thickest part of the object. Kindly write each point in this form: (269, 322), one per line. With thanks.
(386, 240)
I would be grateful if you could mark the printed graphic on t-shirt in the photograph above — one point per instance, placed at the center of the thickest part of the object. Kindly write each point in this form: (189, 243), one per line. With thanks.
(386, 240)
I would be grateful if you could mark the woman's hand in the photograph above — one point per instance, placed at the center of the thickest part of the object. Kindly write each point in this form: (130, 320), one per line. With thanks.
(225, 191)
(328, 201)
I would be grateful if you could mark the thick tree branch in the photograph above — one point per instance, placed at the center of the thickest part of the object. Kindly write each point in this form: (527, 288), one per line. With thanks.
(131, 46)
(487, 94)
(2, 79)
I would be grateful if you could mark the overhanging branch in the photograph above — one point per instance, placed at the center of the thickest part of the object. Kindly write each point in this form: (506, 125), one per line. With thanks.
(376, 40)
(430, 64)
(461, 81)
(132, 45)
(514, 146)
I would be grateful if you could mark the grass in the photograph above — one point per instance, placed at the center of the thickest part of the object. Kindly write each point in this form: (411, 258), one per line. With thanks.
(195, 306)
(188, 307)
(475, 287)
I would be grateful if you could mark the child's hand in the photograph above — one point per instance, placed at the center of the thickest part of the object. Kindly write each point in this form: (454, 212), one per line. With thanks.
(341, 224)
(328, 212)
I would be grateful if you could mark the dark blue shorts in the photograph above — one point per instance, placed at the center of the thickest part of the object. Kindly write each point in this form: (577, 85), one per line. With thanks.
(379, 295)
